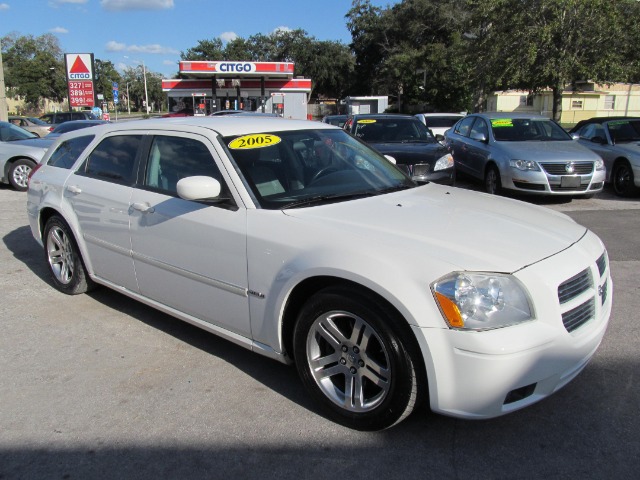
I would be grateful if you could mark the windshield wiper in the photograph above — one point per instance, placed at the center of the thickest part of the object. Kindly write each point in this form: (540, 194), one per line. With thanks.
(320, 199)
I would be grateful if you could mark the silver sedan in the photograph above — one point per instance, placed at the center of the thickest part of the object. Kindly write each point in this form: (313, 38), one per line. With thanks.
(524, 153)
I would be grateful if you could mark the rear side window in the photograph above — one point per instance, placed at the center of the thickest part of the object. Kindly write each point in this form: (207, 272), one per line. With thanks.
(68, 152)
(114, 159)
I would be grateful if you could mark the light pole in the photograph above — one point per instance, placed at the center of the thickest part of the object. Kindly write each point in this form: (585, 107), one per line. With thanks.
(128, 103)
(146, 97)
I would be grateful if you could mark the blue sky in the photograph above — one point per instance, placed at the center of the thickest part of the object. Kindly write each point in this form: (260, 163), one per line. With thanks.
(156, 31)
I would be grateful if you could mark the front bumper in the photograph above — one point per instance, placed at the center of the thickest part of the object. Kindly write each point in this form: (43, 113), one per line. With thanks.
(491, 373)
(553, 180)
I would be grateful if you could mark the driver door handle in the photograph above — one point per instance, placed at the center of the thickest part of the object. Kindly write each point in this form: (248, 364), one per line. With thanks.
(143, 207)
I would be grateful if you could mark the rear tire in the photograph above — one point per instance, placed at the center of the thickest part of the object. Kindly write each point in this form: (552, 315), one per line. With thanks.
(65, 263)
(19, 174)
(354, 360)
(492, 182)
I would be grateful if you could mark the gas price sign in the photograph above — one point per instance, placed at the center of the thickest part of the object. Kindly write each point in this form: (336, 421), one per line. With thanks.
(81, 93)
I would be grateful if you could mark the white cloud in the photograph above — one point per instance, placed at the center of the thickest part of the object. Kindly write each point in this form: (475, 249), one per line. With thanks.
(282, 29)
(173, 63)
(123, 5)
(59, 30)
(228, 36)
(114, 46)
(4, 6)
(57, 3)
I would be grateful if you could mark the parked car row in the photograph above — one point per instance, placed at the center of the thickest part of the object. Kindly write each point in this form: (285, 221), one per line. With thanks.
(299, 241)
(20, 150)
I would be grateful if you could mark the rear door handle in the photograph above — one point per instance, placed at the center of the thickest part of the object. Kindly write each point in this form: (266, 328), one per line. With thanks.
(74, 189)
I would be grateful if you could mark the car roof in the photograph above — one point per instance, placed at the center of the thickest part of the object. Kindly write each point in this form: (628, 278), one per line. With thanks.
(442, 114)
(225, 125)
(497, 115)
(382, 115)
(599, 120)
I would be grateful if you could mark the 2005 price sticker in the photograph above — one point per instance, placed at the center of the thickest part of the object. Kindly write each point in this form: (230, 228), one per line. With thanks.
(256, 140)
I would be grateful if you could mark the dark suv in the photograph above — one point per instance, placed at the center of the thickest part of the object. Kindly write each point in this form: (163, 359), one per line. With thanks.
(406, 139)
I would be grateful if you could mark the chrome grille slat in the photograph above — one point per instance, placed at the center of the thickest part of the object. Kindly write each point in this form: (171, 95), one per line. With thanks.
(604, 290)
(574, 286)
(580, 168)
(579, 316)
(602, 264)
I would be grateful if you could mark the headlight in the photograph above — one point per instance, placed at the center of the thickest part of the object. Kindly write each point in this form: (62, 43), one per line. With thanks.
(599, 164)
(524, 165)
(481, 301)
(444, 163)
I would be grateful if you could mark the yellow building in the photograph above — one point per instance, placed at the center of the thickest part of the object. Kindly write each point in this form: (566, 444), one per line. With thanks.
(586, 101)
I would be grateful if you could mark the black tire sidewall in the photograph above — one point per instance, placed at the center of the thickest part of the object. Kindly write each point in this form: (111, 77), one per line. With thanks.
(79, 282)
(403, 378)
(623, 191)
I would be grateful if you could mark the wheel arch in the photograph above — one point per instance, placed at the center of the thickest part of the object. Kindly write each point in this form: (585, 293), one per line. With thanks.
(309, 286)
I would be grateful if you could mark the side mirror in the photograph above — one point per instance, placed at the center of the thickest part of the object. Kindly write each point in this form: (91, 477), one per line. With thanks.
(440, 138)
(198, 188)
(479, 137)
(391, 159)
(598, 139)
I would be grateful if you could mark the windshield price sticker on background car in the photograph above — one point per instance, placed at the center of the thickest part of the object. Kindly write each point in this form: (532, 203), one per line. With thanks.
(502, 122)
(367, 120)
(256, 140)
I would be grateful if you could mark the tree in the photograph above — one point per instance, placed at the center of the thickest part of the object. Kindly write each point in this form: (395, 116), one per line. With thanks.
(538, 44)
(34, 68)
(413, 50)
(105, 76)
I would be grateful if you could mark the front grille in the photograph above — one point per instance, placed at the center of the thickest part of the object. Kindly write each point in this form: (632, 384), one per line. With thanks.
(558, 188)
(603, 292)
(579, 316)
(421, 169)
(602, 264)
(529, 186)
(579, 168)
(573, 287)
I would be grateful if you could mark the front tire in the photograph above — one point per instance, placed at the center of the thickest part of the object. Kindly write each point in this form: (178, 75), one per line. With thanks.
(19, 174)
(65, 263)
(354, 359)
(622, 180)
(492, 183)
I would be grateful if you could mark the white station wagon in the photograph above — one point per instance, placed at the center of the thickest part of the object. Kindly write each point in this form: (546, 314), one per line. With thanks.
(301, 243)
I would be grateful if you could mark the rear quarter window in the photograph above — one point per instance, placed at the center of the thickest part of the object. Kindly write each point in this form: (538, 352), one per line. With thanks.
(68, 152)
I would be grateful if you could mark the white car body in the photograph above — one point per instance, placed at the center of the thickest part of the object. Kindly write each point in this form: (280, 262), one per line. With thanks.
(235, 272)
(439, 123)
(29, 151)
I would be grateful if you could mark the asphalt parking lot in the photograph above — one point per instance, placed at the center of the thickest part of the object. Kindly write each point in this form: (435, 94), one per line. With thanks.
(100, 386)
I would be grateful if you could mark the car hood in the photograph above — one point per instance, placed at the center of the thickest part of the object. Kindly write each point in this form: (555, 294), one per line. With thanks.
(411, 152)
(37, 145)
(468, 230)
(560, 151)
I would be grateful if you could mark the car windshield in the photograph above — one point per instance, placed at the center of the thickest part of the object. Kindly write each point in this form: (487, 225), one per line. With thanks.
(527, 129)
(392, 130)
(440, 122)
(624, 131)
(35, 120)
(9, 133)
(292, 169)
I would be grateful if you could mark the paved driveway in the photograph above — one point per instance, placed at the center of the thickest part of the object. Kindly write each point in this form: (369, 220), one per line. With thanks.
(99, 386)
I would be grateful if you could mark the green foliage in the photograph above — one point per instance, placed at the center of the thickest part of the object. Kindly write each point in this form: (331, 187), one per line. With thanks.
(105, 76)
(34, 68)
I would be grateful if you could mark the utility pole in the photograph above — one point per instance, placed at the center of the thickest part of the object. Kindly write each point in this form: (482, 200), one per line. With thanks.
(4, 116)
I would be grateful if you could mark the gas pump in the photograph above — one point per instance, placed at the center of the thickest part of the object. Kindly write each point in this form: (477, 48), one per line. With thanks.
(199, 104)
